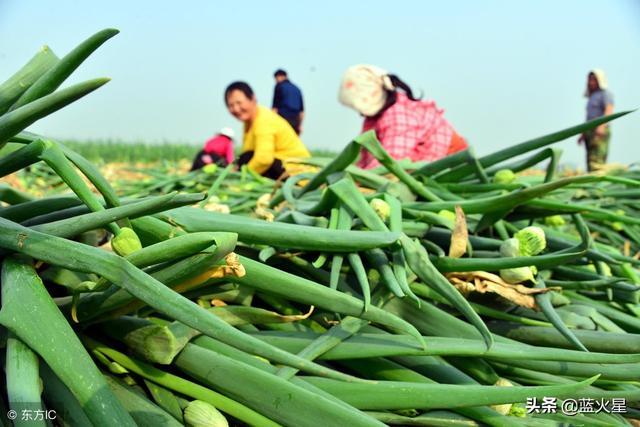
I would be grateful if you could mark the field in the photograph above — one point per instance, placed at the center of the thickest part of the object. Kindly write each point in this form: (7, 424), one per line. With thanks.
(136, 152)
(494, 290)
(132, 151)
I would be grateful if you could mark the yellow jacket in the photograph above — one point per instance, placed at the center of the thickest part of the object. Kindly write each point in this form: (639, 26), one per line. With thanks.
(271, 137)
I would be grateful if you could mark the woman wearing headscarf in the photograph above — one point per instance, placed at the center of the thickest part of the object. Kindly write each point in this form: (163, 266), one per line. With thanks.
(600, 104)
(406, 126)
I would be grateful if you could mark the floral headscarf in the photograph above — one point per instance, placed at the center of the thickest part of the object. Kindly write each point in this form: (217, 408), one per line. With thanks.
(364, 88)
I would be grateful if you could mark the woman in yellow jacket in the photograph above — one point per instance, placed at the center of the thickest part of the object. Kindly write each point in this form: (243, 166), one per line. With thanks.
(269, 140)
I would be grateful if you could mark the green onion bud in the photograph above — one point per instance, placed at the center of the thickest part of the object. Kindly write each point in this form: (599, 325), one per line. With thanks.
(203, 414)
(617, 225)
(516, 275)
(554, 221)
(506, 408)
(217, 207)
(510, 248)
(447, 215)
(382, 208)
(373, 276)
(603, 269)
(517, 410)
(504, 176)
(126, 242)
(532, 240)
(210, 169)
(263, 201)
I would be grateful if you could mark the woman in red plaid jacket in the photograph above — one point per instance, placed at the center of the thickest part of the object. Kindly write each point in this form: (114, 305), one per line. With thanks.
(406, 126)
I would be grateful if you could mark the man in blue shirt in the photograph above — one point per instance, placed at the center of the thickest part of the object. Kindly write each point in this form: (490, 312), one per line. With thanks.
(287, 101)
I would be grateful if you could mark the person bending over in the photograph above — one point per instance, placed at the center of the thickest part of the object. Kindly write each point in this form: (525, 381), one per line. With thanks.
(269, 141)
(217, 150)
(406, 126)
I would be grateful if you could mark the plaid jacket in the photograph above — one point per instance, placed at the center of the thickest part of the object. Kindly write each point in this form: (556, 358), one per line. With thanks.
(410, 129)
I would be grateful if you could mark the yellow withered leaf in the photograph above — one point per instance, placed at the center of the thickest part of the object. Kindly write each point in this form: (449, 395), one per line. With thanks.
(460, 235)
(484, 282)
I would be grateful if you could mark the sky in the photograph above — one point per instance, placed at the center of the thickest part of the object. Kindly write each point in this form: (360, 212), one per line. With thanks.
(504, 71)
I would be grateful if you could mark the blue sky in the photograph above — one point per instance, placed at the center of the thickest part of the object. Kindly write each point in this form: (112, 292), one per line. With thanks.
(504, 71)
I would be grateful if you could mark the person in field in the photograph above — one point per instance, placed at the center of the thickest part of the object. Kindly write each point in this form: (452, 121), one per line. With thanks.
(600, 103)
(407, 127)
(217, 150)
(287, 100)
(269, 141)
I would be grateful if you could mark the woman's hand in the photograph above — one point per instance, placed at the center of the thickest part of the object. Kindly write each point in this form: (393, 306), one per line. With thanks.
(601, 131)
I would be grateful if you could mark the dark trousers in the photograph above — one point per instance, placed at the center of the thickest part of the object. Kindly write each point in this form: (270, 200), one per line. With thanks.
(294, 122)
(275, 171)
(202, 159)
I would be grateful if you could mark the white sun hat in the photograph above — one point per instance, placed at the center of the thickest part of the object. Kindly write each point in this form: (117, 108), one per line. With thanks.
(227, 132)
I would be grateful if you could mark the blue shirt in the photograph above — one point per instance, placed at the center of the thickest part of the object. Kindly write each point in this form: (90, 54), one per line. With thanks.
(597, 103)
(287, 98)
